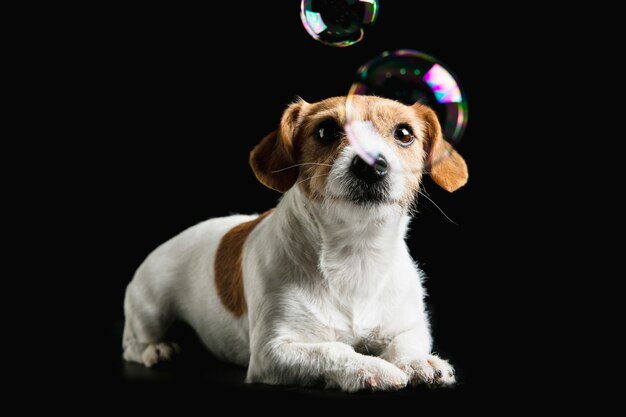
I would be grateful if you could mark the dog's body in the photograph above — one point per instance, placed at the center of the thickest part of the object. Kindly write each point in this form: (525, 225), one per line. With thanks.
(321, 289)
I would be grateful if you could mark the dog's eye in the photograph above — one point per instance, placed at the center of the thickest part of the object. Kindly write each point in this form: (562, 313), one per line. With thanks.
(404, 135)
(328, 131)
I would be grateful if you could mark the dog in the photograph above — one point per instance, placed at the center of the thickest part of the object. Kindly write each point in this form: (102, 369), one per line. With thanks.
(321, 289)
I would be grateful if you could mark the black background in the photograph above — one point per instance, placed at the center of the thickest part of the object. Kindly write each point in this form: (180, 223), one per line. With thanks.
(182, 96)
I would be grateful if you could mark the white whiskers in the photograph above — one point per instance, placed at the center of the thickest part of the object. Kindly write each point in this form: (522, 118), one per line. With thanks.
(311, 177)
(301, 164)
(438, 208)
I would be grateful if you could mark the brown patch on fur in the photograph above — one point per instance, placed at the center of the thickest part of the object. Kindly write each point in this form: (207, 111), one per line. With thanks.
(228, 266)
(447, 168)
(271, 158)
(312, 178)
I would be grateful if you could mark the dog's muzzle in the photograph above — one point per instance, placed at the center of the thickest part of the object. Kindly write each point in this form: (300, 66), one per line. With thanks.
(369, 173)
(368, 183)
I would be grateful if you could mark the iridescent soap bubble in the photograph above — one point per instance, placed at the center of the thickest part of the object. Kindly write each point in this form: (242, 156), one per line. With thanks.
(407, 76)
(338, 22)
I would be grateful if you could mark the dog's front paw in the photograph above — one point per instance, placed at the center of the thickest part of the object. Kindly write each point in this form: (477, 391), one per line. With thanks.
(372, 374)
(431, 370)
(159, 352)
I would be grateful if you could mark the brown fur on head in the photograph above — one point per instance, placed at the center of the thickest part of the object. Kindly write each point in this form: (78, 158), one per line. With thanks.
(294, 143)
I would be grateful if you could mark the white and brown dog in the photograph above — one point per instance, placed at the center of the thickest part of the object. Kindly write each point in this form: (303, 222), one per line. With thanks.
(321, 289)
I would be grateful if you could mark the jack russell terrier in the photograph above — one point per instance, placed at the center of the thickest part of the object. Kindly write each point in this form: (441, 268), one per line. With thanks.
(322, 289)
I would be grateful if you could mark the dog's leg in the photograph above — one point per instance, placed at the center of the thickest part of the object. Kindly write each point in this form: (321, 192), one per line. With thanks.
(410, 351)
(334, 363)
(146, 323)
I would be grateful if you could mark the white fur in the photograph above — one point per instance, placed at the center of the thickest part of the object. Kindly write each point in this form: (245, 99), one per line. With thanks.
(332, 293)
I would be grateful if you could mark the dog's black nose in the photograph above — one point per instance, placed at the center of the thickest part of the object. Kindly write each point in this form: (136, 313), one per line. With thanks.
(369, 173)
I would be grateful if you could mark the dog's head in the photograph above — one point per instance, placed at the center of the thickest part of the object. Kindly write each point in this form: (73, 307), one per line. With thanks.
(310, 150)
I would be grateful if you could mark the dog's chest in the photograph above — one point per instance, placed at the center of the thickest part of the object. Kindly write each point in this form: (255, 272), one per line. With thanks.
(370, 342)
(362, 328)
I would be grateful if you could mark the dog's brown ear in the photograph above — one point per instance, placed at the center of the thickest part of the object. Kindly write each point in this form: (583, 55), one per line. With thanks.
(447, 168)
(270, 160)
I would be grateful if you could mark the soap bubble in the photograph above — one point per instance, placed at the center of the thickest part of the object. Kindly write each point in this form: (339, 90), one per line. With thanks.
(407, 76)
(338, 22)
